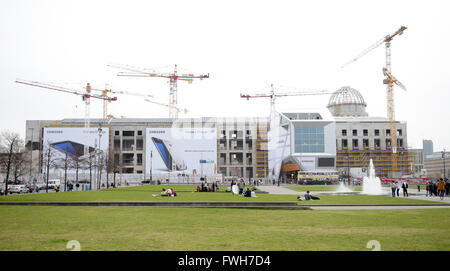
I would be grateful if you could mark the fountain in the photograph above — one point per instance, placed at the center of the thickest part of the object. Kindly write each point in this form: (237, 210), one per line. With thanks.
(372, 184)
(343, 189)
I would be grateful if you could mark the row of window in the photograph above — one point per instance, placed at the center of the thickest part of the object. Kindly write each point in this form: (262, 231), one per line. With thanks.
(376, 132)
(365, 143)
(127, 133)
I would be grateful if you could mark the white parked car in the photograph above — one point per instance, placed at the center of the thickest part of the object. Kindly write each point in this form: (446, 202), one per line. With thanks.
(52, 183)
(18, 188)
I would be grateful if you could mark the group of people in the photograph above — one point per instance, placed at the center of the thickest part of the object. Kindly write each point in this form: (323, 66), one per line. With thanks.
(396, 186)
(70, 186)
(240, 188)
(439, 188)
(170, 192)
(205, 187)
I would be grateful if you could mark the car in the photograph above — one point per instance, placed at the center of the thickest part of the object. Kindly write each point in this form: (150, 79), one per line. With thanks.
(40, 186)
(18, 188)
(52, 183)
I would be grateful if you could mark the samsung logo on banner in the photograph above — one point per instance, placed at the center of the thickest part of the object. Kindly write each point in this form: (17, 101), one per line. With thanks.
(156, 132)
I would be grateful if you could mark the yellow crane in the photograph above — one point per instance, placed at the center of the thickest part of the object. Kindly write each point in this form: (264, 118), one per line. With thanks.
(107, 90)
(389, 81)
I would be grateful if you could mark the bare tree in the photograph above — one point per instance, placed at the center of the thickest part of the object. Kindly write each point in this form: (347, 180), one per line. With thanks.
(49, 161)
(19, 166)
(65, 164)
(12, 145)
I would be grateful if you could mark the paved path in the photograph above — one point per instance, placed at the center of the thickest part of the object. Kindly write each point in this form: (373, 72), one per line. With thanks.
(413, 194)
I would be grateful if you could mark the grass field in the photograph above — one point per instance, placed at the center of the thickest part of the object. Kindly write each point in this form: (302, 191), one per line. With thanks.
(144, 193)
(185, 229)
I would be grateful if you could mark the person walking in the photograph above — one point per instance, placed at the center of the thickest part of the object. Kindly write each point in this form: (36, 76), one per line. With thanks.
(398, 188)
(405, 189)
(393, 188)
(441, 188)
(418, 187)
(427, 187)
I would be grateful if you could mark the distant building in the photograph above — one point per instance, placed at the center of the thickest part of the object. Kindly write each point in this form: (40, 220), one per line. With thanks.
(436, 165)
(427, 147)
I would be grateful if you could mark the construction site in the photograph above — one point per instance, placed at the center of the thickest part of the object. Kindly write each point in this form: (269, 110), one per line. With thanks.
(333, 143)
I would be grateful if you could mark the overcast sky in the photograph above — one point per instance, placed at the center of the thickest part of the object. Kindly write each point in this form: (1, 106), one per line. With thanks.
(244, 45)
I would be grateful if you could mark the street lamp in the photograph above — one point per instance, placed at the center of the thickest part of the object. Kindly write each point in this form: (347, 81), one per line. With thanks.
(98, 157)
(443, 161)
(151, 163)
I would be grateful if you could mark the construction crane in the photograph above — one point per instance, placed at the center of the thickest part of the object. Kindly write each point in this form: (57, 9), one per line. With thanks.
(272, 95)
(389, 81)
(173, 77)
(105, 92)
(184, 110)
(86, 96)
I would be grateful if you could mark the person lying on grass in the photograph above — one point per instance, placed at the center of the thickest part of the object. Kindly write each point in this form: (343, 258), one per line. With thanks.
(166, 193)
(308, 197)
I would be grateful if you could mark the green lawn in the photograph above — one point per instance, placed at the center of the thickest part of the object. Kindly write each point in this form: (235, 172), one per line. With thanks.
(186, 229)
(144, 193)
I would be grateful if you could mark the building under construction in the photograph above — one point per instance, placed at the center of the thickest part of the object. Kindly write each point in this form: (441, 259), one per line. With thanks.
(360, 137)
(241, 144)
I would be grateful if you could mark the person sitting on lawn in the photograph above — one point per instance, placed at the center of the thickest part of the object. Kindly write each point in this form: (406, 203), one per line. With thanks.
(173, 192)
(164, 193)
(248, 193)
(198, 188)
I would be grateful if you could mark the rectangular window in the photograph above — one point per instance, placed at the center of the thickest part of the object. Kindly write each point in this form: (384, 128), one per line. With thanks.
(127, 133)
(399, 132)
(344, 132)
(376, 143)
(139, 133)
(366, 143)
(116, 133)
(388, 142)
(355, 132)
(388, 132)
(355, 143)
(139, 144)
(344, 143)
(365, 132)
(139, 159)
(309, 139)
(117, 144)
(326, 162)
(377, 132)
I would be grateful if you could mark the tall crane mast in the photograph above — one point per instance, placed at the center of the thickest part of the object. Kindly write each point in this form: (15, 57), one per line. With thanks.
(173, 77)
(272, 95)
(105, 92)
(390, 90)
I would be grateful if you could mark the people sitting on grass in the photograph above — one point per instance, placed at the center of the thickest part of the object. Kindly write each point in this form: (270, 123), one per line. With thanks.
(198, 188)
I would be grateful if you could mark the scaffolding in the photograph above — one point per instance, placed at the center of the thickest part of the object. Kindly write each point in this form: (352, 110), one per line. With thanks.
(347, 158)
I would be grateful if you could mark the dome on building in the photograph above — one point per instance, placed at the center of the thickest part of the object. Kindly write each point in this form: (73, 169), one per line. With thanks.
(347, 101)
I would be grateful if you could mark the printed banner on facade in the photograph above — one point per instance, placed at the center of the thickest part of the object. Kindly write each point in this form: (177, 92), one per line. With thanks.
(189, 151)
(74, 144)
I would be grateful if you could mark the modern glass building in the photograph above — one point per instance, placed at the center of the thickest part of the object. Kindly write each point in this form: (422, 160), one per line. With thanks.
(302, 146)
